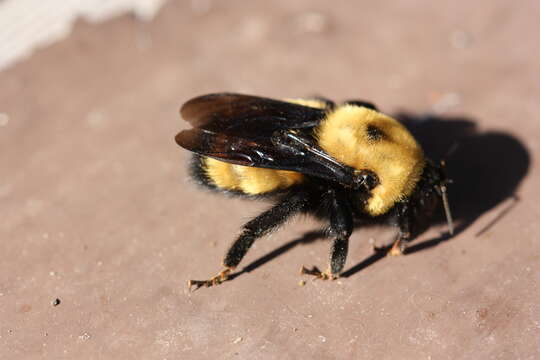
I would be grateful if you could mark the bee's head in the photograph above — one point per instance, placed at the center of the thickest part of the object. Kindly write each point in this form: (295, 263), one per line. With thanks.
(386, 156)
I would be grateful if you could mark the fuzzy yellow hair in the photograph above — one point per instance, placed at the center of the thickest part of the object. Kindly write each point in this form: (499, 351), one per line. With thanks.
(395, 156)
(249, 180)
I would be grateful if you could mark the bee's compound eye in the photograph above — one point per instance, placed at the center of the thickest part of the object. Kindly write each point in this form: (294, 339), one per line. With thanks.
(367, 178)
(374, 133)
(371, 181)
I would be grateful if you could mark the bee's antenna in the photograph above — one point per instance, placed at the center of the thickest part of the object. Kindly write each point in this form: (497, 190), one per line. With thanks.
(451, 150)
(447, 210)
(444, 196)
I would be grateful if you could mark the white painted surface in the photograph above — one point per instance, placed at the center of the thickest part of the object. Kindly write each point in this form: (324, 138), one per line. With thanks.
(28, 24)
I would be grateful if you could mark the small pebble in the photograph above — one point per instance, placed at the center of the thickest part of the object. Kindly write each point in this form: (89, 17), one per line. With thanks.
(84, 337)
(461, 39)
(56, 302)
(4, 119)
(312, 22)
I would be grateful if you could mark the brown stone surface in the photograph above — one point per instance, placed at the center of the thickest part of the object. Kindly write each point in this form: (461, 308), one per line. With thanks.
(96, 209)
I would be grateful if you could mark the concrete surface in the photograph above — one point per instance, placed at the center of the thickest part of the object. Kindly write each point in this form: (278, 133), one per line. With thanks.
(30, 24)
(96, 209)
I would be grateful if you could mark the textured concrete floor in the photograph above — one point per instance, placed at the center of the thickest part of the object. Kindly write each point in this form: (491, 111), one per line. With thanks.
(96, 209)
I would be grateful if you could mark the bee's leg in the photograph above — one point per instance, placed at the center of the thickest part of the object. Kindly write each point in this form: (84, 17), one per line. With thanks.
(254, 229)
(214, 280)
(398, 247)
(341, 226)
(404, 235)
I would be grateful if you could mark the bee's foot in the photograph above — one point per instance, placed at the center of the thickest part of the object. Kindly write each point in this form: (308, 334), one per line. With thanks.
(397, 249)
(216, 280)
(314, 271)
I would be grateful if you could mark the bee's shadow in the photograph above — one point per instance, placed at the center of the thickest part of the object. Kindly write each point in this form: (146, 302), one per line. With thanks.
(486, 169)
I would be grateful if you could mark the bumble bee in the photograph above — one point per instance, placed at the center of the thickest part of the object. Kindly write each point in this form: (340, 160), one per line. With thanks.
(341, 163)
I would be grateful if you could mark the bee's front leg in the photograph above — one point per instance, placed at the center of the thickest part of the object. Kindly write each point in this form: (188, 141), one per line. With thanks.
(404, 223)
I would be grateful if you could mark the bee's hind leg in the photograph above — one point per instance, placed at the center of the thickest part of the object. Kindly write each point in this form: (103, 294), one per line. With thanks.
(215, 280)
(254, 229)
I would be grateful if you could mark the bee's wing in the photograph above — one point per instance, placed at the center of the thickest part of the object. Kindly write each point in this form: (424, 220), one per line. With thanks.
(231, 149)
(262, 152)
(238, 114)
